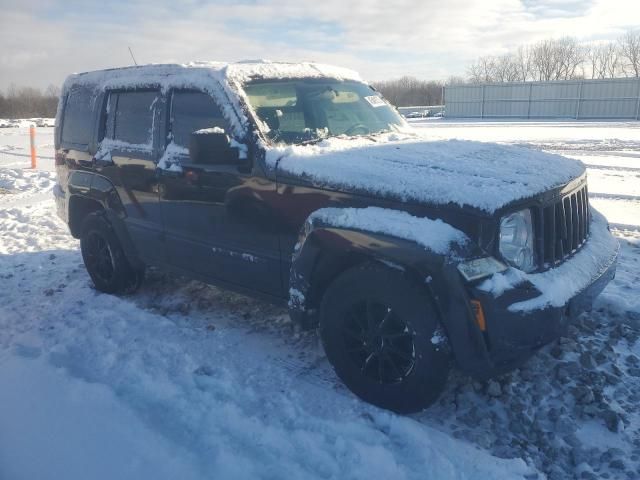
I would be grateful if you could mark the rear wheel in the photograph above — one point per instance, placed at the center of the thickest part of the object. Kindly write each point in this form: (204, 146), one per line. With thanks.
(104, 258)
(377, 329)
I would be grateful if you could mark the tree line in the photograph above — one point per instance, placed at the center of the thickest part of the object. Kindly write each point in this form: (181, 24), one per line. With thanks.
(561, 59)
(29, 102)
(407, 91)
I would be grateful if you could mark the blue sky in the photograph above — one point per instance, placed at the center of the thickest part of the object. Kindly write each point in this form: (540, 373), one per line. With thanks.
(41, 41)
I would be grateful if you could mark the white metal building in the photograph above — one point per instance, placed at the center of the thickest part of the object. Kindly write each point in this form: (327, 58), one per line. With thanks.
(580, 99)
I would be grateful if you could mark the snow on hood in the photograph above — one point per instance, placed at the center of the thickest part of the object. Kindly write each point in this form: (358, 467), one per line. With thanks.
(483, 175)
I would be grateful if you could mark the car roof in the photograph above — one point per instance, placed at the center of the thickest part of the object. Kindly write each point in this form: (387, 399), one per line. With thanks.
(229, 73)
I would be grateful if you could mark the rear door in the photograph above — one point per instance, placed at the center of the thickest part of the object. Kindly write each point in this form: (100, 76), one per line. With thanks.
(127, 155)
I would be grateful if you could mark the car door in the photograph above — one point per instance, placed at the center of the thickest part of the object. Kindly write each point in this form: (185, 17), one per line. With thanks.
(216, 216)
(127, 157)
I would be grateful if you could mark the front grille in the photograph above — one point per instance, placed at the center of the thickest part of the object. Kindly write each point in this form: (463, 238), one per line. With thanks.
(563, 227)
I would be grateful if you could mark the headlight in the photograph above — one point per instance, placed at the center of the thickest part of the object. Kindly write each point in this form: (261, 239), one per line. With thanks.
(516, 240)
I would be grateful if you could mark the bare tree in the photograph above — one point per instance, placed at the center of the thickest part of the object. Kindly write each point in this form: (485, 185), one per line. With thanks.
(629, 46)
(506, 68)
(503, 68)
(595, 60)
(572, 56)
(52, 91)
(558, 59)
(455, 80)
(409, 91)
(524, 63)
(545, 61)
(483, 70)
(604, 60)
(27, 102)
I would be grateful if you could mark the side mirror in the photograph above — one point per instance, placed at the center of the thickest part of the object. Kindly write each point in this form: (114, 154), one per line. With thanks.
(212, 146)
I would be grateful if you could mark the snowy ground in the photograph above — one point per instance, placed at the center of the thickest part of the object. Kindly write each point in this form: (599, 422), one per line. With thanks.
(183, 380)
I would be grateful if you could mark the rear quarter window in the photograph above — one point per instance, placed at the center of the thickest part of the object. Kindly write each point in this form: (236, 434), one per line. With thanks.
(78, 119)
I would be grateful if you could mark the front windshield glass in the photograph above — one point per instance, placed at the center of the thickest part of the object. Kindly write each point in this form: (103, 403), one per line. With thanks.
(306, 110)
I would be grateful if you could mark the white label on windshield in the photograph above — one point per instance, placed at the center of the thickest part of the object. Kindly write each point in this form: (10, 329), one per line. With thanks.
(375, 101)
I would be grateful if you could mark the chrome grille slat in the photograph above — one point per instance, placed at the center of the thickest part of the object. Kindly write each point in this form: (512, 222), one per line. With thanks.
(564, 227)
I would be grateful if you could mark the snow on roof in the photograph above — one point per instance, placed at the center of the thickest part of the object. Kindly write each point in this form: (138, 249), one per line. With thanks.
(169, 74)
(487, 176)
(244, 71)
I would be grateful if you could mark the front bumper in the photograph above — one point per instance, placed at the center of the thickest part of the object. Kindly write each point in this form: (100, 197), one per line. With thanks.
(512, 337)
(533, 312)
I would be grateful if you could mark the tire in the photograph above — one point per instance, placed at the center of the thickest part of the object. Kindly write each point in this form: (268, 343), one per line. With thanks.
(396, 365)
(104, 257)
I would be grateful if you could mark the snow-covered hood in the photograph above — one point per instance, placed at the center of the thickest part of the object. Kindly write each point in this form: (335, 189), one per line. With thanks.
(486, 176)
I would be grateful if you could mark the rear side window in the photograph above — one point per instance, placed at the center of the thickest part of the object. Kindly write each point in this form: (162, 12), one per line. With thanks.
(77, 123)
(130, 117)
(191, 111)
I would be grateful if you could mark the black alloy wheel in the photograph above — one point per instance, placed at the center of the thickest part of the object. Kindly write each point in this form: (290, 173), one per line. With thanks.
(99, 258)
(379, 342)
(378, 327)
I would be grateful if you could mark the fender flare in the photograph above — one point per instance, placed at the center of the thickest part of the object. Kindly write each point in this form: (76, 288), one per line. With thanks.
(435, 272)
(96, 188)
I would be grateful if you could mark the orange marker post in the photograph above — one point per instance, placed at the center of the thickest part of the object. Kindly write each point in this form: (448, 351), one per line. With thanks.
(32, 138)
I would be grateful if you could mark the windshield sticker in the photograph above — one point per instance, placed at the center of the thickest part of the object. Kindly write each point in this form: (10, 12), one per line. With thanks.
(375, 101)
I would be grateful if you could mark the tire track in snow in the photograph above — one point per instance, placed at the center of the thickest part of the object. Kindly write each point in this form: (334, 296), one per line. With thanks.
(613, 168)
(614, 196)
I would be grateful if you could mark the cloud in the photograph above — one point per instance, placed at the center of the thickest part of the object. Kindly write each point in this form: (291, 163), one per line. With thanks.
(557, 8)
(44, 40)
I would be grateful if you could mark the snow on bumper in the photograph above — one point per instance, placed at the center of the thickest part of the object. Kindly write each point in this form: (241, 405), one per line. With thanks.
(558, 286)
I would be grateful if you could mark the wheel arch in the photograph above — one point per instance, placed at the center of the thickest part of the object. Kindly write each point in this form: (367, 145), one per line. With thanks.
(90, 192)
(323, 253)
(79, 207)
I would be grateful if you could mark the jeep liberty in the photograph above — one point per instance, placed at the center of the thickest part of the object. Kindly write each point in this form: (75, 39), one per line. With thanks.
(301, 185)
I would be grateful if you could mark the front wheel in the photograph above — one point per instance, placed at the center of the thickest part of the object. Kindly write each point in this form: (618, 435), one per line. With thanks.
(378, 330)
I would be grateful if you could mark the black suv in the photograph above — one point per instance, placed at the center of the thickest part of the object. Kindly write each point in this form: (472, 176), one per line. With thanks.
(300, 184)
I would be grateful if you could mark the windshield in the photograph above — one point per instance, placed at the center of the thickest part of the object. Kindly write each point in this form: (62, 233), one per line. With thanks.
(299, 111)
